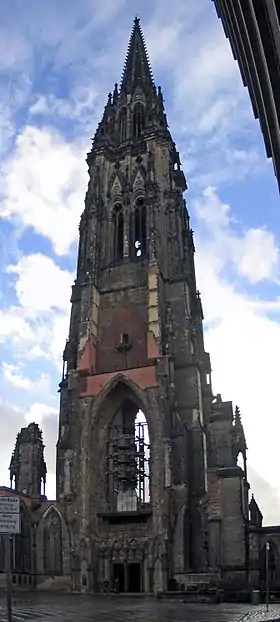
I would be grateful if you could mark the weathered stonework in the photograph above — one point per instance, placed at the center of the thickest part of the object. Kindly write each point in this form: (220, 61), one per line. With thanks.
(146, 510)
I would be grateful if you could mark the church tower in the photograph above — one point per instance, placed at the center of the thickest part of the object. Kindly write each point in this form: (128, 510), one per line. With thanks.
(136, 390)
(27, 467)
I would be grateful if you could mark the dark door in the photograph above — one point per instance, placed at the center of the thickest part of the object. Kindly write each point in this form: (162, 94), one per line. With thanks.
(118, 577)
(134, 577)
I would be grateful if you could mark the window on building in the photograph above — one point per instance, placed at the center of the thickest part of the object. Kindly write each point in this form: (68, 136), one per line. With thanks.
(118, 236)
(122, 124)
(138, 120)
(23, 544)
(53, 544)
(128, 460)
(139, 230)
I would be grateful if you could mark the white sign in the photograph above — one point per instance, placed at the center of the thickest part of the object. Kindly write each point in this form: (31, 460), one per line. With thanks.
(9, 524)
(9, 505)
(9, 515)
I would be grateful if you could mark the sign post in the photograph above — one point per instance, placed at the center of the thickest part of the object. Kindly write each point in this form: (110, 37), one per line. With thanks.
(9, 526)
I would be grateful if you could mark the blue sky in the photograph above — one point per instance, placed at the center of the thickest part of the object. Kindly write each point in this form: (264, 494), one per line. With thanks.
(58, 61)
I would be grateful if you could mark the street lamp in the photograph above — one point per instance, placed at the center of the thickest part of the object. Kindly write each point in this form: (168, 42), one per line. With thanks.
(267, 548)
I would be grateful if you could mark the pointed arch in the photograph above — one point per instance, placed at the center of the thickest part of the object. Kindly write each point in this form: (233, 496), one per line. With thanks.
(122, 124)
(120, 454)
(118, 232)
(138, 179)
(95, 409)
(53, 543)
(138, 120)
(138, 230)
(23, 543)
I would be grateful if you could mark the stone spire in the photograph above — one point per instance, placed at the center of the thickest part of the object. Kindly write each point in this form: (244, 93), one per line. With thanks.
(137, 68)
(125, 118)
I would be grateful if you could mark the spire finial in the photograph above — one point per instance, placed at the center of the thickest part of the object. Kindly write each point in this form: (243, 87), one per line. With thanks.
(137, 65)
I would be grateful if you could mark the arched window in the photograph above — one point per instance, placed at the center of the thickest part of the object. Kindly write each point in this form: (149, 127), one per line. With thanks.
(23, 544)
(138, 120)
(122, 124)
(118, 237)
(53, 544)
(128, 460)
(139, 230)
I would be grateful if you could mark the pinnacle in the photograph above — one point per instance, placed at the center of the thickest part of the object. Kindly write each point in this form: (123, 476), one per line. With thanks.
(238, 426)
(137, 65)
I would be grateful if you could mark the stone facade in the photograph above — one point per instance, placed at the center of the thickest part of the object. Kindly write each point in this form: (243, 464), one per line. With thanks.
(148, 487)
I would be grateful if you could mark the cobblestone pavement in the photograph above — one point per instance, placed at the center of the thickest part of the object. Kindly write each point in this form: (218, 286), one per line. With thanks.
(70, 608)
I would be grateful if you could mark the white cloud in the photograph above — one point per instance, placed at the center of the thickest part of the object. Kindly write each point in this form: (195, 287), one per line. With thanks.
(42, 185)
(39, 412)
(13, 375)
(15, 51)
(254, 253)
(41, 285)
(260, 257)
(79, 106)
(242, 339)
(37, 326)
(13, 325)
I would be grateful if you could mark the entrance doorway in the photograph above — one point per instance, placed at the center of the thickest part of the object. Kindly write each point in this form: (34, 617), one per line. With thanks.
(134, 577)
(119, 576)
(127, 577)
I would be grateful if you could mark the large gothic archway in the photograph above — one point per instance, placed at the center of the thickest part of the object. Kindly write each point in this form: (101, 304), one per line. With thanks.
(121, 438)
(128, 459)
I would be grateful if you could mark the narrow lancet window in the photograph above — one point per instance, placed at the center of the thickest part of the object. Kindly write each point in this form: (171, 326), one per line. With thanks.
(118, 234)
(138, 120)
(122, 124)
(139, 230)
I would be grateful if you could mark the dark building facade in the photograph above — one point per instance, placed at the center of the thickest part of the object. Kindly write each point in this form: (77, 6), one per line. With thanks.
(253, 29)
(149, 492)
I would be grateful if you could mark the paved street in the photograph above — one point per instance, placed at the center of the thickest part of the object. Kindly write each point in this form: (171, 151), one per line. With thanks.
(54, 608)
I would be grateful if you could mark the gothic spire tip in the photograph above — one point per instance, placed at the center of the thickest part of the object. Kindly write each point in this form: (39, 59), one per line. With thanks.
(137, 65)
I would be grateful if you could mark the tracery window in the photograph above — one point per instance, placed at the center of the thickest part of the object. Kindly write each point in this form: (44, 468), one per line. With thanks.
(138, 120)
(122, 124)
(53, 544)
(139, 230)
(118, 232)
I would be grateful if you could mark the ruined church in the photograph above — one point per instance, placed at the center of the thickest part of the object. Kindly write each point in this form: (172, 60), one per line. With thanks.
(149, 491)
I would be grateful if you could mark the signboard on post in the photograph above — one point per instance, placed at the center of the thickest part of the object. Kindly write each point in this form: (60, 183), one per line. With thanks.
(9, 505)
(9, 526)
(9, 515)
